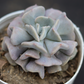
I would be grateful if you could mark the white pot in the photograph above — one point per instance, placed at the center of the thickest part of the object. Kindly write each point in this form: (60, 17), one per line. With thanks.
(4, 21)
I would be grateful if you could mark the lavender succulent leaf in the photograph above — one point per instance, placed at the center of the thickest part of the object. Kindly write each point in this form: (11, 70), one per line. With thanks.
(17, 22)
(48, 61)
(53, 13)
(65, 28)
(12, 62)
(29, 8)
(30, 53)
(21, 34)
(4, 47)
(53, 46)
(73, 54)
(54, 69)
(14, 51)
(29, 17)
(64, 58)
(33, 67)
(44, 32)
(53, 34)
(38, 28)
(31, 30)
(22, 63)
(44, 21)
(35, 45)
(71, 48)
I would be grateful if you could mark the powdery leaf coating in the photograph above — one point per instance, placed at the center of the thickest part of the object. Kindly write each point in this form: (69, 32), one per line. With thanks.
(54, 69)
(33, 67)
(39, 39)
(31, 30)
(17, 22)
(21, 34)
(30, 53)
(48, 61)
(35, 45)
(12, 62)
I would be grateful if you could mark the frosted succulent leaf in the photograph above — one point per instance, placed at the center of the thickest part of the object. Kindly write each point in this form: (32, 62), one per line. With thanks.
(21, 34)
(17, 22)
(44, 21)
(43, 34)
(14, 51)
(48, 61)
(29, 17)
(30, 53)
(31, 30)
(71, 45)
(54, 69)
(53, 46)
(30, 8)
(39, 39)
(35, 45)
(53, 34)
(33, 67)
(4, 47)
(65, 28)
(22, 63)
(65, 58)
(38, 28)
(53, 13)
(73, 54)
(12, 62)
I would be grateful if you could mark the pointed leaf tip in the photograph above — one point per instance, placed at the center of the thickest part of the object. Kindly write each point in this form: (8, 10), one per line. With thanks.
(30, 53)
(21, 34)
(31, 30)
(33, 67)
(48, 61)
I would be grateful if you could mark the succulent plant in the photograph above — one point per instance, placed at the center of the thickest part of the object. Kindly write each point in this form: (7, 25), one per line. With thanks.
(40, 39)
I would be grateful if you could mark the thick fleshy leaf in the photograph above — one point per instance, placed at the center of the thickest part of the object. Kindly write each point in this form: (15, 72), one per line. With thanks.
(31, 30)
(65, 67)
(30, 16)
(54, 69)
(12, 62)
(3, 45)
(73, 54)
(19, 35)
(53, 13)
(65, 28)
(43, 34)
(38, 28)
(14, 51)
(48, 61)
(64, 58)
(33, 67)
(71, 44)
(53, 34)
(30, 8)
(30, 53)
(53, 46)
(22, 63)
(17, 22)
(36, 45)
(44, 21)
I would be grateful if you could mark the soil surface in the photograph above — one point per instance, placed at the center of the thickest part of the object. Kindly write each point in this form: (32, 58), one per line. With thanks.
(15, 74)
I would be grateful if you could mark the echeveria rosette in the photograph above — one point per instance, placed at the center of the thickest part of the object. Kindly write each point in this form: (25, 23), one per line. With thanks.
(39, 39)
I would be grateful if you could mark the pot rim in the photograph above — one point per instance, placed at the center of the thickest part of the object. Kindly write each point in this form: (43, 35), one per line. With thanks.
(13, 14)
